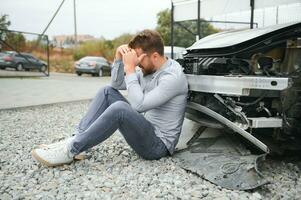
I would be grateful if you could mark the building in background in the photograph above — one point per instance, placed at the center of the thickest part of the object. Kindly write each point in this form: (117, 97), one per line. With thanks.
(68, 41)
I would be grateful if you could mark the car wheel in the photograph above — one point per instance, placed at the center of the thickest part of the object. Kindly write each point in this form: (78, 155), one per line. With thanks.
(19, 67)
(2, 67)
(100, 73)
(78, 74)
(43, 68)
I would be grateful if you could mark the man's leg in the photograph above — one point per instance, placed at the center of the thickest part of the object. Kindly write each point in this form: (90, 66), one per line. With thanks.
(137, 131)
(102, 100)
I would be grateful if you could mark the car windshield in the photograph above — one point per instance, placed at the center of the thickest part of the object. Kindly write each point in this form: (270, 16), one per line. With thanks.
(5, 53)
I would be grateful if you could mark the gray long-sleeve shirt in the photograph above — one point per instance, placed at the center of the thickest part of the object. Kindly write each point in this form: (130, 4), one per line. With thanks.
(161, 96)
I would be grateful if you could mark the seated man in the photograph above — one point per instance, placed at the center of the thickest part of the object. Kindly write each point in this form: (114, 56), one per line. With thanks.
(152, 117)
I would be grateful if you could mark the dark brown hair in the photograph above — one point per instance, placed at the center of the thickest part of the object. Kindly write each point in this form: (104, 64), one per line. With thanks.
(149, 41)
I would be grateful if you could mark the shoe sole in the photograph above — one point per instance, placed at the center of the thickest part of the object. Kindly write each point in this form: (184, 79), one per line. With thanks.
(44, 162)
(41, 160)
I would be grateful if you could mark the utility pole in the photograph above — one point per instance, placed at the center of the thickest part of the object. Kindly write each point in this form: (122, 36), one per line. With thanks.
(198, 36)
(75, 26)
(277, 14)
(252, 4)
(172, 30)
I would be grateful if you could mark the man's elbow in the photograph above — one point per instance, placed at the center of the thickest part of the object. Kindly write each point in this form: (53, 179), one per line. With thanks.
(138, 107)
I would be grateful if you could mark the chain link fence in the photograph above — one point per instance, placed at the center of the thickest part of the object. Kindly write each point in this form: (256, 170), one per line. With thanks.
(23, 54)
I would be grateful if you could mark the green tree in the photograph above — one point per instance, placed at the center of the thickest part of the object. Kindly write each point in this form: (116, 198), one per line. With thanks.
(15, 40)
(4, 24)
(181, 36)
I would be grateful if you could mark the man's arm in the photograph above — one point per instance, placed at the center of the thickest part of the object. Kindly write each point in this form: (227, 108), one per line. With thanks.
(117, 72)
(117, 75)
(169, 86)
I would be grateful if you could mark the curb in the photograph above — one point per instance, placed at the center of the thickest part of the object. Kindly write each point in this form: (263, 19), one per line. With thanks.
(44, 105)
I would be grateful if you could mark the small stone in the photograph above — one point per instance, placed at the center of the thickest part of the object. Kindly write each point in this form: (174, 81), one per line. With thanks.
(5, 196)
(256, 196)
(205, 193)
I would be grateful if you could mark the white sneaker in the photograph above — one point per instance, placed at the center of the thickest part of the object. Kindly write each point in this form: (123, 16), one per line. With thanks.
(59, 154)
(59, 143)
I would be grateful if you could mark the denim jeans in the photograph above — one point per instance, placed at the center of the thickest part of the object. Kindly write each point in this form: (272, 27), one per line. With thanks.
(110, 111)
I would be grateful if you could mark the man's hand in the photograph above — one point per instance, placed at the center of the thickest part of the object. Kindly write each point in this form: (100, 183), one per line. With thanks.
(131, 60)
(120, 51)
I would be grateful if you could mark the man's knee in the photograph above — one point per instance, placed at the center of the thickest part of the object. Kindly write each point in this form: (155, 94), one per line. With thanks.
(120, 106)
(106, 89)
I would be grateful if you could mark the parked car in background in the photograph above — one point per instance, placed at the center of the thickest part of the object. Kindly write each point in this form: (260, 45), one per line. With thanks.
(97, 66)
(21, 61)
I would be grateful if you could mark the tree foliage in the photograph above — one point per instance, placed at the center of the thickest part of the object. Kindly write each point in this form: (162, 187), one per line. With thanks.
(101, 47)
(15, 40)
(181, 36)
(4, 22)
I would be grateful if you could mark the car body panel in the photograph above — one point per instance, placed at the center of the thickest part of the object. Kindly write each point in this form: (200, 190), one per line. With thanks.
(240, 41)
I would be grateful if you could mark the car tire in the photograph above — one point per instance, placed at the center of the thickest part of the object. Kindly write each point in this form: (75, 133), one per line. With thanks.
(43, 68)
(100, 73)
(2, 68)
(78, 74)
(19, 67)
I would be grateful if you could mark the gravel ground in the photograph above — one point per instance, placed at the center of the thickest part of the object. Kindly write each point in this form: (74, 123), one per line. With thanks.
(114, 171)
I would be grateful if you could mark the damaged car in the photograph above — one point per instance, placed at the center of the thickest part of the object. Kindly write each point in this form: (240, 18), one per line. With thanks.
(246, 83)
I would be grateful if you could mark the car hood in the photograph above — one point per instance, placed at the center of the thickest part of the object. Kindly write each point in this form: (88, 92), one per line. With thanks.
(238, 41)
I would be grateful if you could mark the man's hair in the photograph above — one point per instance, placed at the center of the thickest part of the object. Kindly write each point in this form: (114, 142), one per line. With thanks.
(149, 41)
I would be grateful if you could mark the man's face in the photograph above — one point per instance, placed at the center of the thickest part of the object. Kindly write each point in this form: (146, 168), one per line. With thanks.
(146, 63)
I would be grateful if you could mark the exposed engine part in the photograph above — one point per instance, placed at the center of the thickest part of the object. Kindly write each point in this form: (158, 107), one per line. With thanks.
(230, 125)
(264, 122)
(262, 107)
(249, 103)
(236, 111)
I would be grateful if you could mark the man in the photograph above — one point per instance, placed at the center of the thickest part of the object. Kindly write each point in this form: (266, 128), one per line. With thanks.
(152, 117)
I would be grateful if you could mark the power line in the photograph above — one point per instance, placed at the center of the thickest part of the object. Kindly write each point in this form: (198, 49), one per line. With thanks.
(42, 34)
(53, 17)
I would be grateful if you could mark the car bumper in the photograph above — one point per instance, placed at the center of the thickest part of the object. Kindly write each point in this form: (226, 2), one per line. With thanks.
(7, 64)
(86, 70)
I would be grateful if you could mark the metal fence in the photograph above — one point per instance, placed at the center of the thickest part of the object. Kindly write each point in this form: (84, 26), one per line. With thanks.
(23, 54)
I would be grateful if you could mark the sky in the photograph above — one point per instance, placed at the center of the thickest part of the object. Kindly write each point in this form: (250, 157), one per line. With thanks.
(106, 18)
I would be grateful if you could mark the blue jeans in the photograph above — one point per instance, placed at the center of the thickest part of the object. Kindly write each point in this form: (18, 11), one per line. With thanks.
(110, 111)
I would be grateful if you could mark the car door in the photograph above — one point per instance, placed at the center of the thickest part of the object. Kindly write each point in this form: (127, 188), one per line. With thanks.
(33, 62)
(20, 58)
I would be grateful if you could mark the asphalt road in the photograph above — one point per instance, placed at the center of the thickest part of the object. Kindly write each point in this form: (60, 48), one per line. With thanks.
(17, 91)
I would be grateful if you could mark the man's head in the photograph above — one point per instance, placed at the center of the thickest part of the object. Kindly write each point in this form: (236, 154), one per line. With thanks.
(151, 43)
